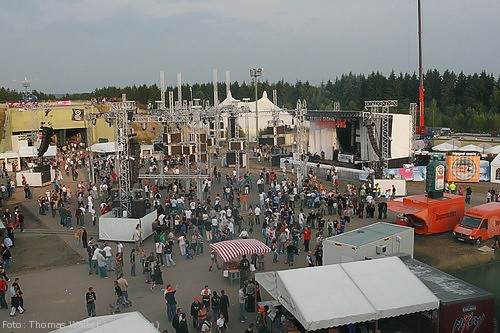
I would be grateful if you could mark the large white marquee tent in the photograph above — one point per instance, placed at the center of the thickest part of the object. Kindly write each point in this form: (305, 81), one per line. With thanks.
(364, 291)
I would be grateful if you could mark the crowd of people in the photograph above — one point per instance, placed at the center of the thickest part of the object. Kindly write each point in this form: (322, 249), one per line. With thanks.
(291, 219)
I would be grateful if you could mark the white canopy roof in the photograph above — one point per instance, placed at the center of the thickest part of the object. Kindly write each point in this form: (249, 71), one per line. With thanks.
(264, 103)
(124, 322)
(104, 147)
(33, 151)
(368, 290)
(493, 150)
(471, 148)
(445, 146)
(9, 154)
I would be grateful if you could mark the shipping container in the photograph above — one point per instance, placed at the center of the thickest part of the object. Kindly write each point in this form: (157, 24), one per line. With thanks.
(375, 240)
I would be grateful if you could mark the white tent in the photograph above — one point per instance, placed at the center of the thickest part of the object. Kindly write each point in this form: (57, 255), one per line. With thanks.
(445, 146)
(495, 170)
(368, 290)
(9, 154)
(471, 148)
(104, 147)
(124, 322)
(265, 107)
(33, 151)
(493, 150)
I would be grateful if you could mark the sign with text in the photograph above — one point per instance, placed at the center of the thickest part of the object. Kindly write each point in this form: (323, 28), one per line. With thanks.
(463, 167)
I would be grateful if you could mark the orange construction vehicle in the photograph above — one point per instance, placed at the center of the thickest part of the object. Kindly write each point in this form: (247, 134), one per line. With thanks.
(479, 223)
(429, 216)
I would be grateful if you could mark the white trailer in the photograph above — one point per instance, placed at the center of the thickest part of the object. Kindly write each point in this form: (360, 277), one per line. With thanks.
(376, 240)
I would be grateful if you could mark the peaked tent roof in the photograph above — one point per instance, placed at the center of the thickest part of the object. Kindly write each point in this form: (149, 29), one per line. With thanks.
(493, 150)
(471, 148)
(369, 290)
(496, 161)
(123, 322)
(263, 103)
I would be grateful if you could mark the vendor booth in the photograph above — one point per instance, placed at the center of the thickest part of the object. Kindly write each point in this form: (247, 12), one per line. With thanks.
(231, 249)
(10, 158)
(331, 296)
(463, 307)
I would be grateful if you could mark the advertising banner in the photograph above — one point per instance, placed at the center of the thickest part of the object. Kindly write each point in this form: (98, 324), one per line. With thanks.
(462, 167)
(406, 173)
(484, 173)
(419, 173)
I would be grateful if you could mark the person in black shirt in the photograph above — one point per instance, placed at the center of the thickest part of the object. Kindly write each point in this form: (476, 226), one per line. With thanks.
(90, 298)
(244, 268)
(224, 303)
(195, 307)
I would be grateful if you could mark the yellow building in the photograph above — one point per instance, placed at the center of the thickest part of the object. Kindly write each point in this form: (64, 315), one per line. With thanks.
(66, 118)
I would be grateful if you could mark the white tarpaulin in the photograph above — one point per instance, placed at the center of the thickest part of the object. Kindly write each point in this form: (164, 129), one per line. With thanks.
(493, 150)
(471, 148)
(33, 151)
(445, 147)
(123, 322)
(335, 295)
(105, 147)
(122, 228)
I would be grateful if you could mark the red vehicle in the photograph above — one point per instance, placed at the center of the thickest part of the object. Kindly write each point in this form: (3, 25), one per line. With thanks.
(429, 216)
(479, 223)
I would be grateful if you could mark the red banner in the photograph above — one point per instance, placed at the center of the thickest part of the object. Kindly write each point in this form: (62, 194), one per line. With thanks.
(334, 123)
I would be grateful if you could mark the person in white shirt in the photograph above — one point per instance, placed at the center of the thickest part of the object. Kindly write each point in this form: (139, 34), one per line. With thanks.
(243, 234)
(257, 214)
(119, 248)
(159, 249)
(109, 257)
(221, 323)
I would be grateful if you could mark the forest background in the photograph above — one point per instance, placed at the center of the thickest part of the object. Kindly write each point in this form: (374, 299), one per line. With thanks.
(465, 103)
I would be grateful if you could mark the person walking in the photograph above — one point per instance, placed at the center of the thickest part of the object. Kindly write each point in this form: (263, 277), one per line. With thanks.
(195, 308)
(4, 286)
(132, 262)
(123, 284)
(16, 298)
(242, 301)
(90, 298)
(183, 327)
(101, 263)
(215, 306)
(221, 324)
(224, 305)
(170, 301)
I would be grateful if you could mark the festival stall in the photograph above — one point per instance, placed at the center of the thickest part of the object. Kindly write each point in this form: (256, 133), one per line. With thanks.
(331, 296)
(232, 249)
(10, 158)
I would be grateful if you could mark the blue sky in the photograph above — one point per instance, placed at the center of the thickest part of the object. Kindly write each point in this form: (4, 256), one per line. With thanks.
(79, 45)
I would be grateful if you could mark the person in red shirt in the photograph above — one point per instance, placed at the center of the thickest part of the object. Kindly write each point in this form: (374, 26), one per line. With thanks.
(307, 238)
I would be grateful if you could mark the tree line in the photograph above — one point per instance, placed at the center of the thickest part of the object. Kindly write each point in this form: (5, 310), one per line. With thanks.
(463, 102)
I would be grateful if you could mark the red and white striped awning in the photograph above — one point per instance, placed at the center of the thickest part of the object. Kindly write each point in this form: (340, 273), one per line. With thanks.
(231, 249)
